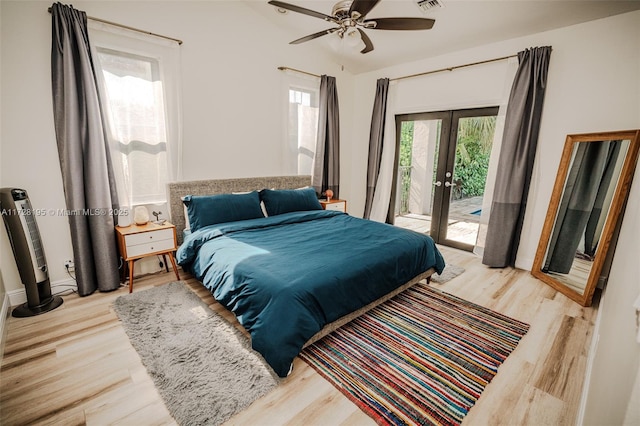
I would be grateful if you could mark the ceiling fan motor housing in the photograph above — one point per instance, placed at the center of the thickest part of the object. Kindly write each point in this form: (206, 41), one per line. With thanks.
(341, 9)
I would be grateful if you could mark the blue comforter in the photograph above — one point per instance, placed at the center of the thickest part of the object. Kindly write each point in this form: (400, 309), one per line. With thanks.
(287, 276)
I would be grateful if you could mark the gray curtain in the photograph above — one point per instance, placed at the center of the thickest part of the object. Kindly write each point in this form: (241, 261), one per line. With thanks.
(515, 165)
(326, 161)
(601, 206)
(85, 162)
(376, 137)
(582, 202)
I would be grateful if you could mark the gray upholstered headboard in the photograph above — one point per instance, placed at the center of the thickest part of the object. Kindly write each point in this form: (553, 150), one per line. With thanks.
(177, 190)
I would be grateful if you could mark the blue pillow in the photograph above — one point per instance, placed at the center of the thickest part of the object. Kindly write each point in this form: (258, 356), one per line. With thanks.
(279, 201)
(205, 210)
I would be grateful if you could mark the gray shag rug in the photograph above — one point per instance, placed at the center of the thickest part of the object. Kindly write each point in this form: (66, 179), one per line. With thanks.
(203, 367)
(450, 272)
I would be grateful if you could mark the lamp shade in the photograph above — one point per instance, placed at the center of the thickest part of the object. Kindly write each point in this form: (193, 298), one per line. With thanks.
(352, 37)
(141, 215)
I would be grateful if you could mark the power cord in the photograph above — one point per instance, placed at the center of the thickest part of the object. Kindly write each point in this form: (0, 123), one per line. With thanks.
(67, 292)
(72, 290)
(69, 272)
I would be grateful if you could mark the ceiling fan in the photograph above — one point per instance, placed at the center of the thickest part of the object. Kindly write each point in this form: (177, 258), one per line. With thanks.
(349, 16)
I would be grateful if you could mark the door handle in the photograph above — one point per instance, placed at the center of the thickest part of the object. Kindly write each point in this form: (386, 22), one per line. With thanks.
(448, 184)
(438, 183)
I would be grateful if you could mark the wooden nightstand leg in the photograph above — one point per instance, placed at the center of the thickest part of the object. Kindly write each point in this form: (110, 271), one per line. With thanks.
(164, 260)
(123, 271)
(175, 267)
(131, 263)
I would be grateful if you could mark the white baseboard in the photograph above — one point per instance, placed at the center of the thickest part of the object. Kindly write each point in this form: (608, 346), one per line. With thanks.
(595, 338)
(62, 286)
(525, 263)
(6, 304)
(4, 314)
(19, 296)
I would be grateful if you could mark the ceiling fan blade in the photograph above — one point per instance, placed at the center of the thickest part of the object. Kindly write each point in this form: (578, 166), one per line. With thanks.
(304, 11)
(368, 46)
(314, 35)
(362, 7)
(402, 23)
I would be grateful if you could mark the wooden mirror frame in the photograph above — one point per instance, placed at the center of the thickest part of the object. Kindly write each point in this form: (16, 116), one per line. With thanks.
(615, 209)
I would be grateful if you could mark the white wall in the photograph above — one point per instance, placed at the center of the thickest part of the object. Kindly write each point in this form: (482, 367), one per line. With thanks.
(616, 358)
(594, 85)
(232, 102)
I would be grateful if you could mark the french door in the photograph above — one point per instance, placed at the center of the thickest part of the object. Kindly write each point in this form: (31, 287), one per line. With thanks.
(440, 172)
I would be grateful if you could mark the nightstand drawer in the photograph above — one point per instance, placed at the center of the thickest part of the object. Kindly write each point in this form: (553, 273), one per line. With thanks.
(336, 206)
(146, 237)
(150, 247)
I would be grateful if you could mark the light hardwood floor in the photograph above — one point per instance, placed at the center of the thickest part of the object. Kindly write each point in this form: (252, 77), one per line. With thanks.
(75, 365)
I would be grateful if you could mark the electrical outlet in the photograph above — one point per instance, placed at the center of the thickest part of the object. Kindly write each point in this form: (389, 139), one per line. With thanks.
(69, 266)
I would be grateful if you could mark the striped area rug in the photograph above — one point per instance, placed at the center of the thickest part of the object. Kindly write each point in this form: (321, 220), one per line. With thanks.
(423, 357)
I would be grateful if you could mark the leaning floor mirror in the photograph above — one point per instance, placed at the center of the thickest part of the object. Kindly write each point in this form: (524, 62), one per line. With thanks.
(585, 211)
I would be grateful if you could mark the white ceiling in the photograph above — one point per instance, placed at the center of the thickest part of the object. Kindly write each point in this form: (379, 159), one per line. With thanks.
(459, 25)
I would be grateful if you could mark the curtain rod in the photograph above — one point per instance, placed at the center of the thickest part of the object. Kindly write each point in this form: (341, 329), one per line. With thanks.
(115, 24)
(421, 73)
(300, 71)
(453, 68)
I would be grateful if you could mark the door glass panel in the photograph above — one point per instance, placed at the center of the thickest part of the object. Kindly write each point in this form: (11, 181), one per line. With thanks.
(417, 165)
(473, 148)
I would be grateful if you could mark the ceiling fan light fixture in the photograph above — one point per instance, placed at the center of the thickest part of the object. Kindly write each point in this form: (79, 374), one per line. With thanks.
(352, 37)
(346, 41)
(335, 41)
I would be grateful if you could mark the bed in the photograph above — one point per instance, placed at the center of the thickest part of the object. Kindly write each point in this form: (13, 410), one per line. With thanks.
(297, 274)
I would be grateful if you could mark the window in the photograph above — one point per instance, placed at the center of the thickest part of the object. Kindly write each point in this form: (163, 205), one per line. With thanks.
(138, 81)
(302, 128)
(134, 101)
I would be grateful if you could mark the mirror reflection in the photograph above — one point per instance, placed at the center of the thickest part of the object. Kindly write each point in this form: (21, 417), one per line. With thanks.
(591, 187)
(591, 182)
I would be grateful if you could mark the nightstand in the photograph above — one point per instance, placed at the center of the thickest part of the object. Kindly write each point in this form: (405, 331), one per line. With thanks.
(335, 204)
(138, 241)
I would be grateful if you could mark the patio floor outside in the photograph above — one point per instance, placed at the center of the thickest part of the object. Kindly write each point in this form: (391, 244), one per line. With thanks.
(463, 223)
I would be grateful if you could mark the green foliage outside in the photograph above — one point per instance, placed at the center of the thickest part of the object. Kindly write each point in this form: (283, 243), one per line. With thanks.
(404, 165)
(406, 143)
(475, 138)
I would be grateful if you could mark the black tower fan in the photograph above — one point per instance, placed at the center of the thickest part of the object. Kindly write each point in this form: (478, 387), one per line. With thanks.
(24, 236)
